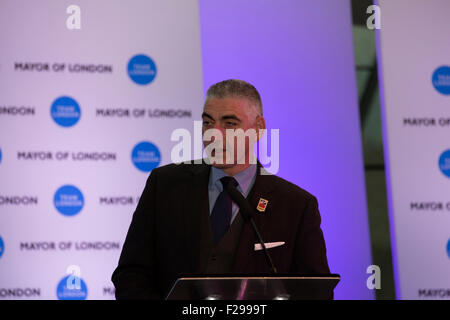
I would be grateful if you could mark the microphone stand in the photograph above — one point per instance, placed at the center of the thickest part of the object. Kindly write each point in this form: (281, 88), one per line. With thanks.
(246, 212)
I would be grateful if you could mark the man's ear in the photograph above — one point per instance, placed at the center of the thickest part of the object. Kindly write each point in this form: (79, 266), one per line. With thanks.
(260, 125)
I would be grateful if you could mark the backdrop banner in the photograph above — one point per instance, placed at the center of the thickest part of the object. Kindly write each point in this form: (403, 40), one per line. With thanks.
(414, 66)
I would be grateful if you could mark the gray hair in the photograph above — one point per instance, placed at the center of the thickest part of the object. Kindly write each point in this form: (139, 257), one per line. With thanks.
(236, 89)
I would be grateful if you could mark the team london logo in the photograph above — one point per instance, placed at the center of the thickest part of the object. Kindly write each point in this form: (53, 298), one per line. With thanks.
(146, 156)
(71, 288)
(68, 200)
(142, 69)
(441, 80)
(2, 247)
(444, 163)
(65, 111)
(448, 248)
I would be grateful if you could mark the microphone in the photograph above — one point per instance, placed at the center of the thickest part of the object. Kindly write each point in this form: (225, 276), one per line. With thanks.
(247, 213)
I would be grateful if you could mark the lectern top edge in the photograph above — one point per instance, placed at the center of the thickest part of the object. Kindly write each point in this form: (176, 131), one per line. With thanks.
(262, 278)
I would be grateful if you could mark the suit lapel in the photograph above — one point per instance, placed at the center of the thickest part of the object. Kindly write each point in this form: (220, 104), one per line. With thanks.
(196, 214)
(245, 250)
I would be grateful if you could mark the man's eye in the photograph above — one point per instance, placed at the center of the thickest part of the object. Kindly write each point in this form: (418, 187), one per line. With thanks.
(231, 124)
(206, 123)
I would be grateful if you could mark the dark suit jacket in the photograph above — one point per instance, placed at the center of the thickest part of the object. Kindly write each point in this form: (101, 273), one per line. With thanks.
(165, 236)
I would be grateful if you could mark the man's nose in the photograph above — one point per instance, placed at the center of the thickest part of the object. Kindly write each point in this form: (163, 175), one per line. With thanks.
(219, 127)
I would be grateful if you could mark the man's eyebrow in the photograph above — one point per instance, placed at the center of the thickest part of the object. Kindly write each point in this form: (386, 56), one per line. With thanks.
(204, 114)
(230, 117)
(225, 117)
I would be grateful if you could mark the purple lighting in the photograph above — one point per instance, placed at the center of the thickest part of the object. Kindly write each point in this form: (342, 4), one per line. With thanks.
(299, 55)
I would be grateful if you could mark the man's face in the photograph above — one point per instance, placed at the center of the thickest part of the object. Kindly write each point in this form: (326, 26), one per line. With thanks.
(230, 113)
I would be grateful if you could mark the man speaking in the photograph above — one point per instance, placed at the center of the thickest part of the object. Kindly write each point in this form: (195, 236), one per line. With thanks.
(186, 221)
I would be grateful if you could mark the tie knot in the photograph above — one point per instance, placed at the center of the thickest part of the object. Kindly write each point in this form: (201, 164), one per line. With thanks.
(227, 181)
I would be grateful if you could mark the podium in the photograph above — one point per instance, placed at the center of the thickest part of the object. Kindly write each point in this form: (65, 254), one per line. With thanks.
(260, 287)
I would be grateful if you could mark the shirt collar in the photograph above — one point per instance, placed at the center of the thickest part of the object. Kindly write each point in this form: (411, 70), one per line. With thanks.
(244, 178)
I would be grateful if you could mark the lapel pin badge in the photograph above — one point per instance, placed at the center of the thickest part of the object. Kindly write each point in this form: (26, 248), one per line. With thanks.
(262, 205)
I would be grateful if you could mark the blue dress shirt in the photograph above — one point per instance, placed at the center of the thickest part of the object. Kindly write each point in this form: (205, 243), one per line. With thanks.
(246, 180)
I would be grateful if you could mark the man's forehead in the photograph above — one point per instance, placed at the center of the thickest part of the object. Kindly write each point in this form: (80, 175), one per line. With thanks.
(226, 105)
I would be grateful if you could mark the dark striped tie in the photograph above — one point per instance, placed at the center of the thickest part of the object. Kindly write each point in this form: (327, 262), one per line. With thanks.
(221, 214)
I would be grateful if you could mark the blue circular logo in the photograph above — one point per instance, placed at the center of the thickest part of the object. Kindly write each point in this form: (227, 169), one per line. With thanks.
(2, 247)
(145, 156)
(71, 288)
(65, 111)
(68, 200)
(444, 163)
(0, 155)
(448, 248)
(142, 69)
(441, 80)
